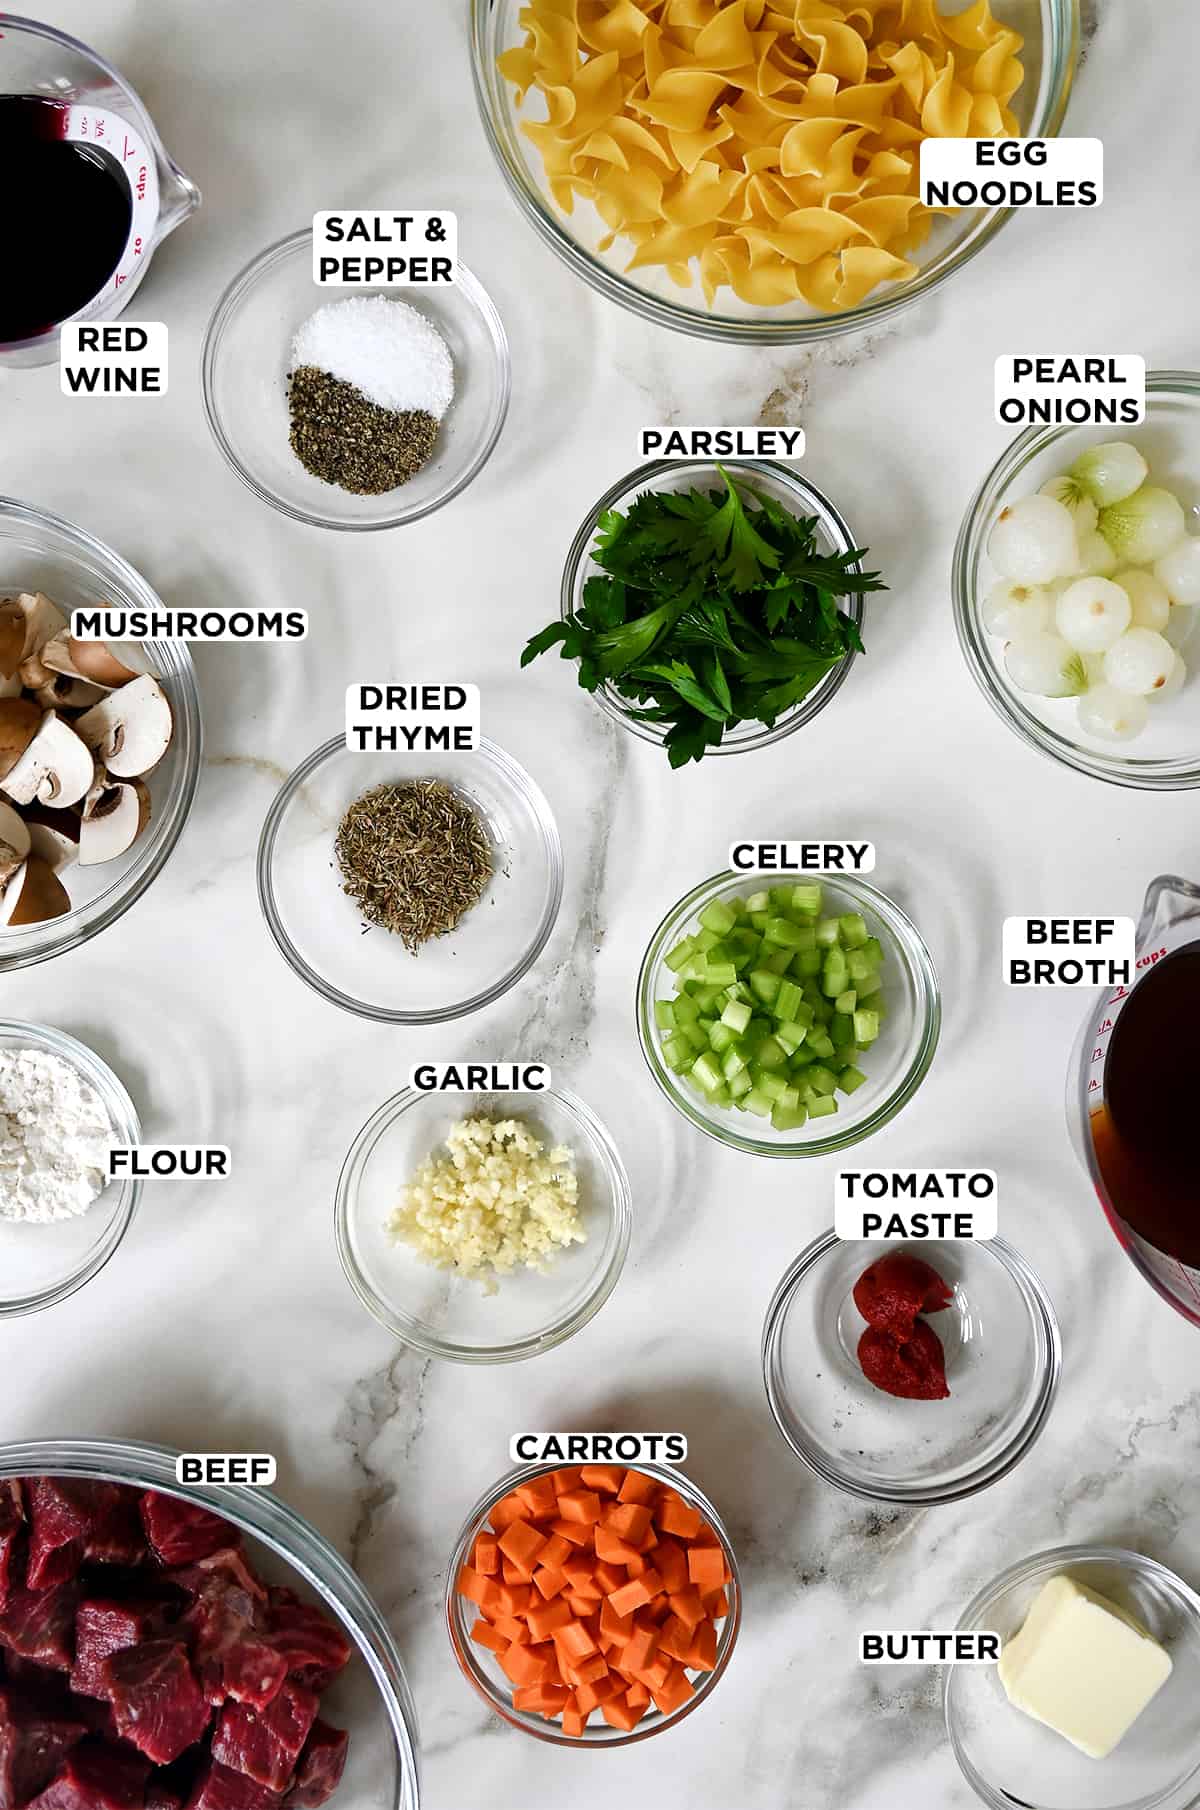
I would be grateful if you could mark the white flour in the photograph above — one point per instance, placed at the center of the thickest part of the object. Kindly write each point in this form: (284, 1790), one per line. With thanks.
(54, 1138)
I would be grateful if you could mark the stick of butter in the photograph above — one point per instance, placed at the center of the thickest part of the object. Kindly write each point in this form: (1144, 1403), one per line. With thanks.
(1082, 1666)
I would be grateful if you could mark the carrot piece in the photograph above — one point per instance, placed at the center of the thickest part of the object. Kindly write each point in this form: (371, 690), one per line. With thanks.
(522, 1543)
(617, 1714)
(612, 1623)
(630, 1521)
(655, 1675)
(648, 1541)
(651, 1582)
(589, 1670)
(522, 1665)
(513, 1574)
(608, 1576)
(486, 1554)
(671, 1560)
(674, 1516)
(706, 1567)
(515, 1632)
(555, 1550)
(546, 1699)
(636, 1486)
(579, 1505)
(575, 1639)
(630, 1596)
(612, 1549)
(675, 1639)
(576, 1533)
(702, 1654)
(640, 1649)
(574, 1722)
(607, 1477)
(581, 1605)
(686, 1605)
(637, 1565)
(674, 1692)
(478, 1590)
(552, 1615)
(512, 1599)
(637, 1696)
(487, 1636)
(548, 1580)
(510, 1508)
(539, 1496)
(716, 1604)
(580, 1571)
(568, 1476)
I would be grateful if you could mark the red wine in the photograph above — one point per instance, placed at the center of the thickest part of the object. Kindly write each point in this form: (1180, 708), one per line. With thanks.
(65, 210)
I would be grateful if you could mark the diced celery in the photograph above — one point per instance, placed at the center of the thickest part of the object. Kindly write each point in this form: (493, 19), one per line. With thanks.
(821, 1105)
(827, 932)
(821, 1078)
(739, 1084)
(873, 950)
(806, 898)
(851, 1079)
(719, 974)
(781, 898)
(695, 1036)
(853, 927)
(866, 1025)
(787, 1001)
(706, 1073)
(664, 1014)
(763, 985)
(771, 1053)
(770, 1085)
(732, 1062)
(820, 1043)
(758, 920)
(686, 1009)
(677, 1052)
(807, 962)
(722, 1097)
(719, 917)
(782, 932)
(846, 1002)
(858, 964)
(757, 1103)
(720, 1037)
(801, 1058)
(869, 985)
(680, 955)
(841, 1030)
(706, 940)
(787, 1043)
(708, 998)
(736, 1015)
(788, 1118)
(834, 978)
(775, 961)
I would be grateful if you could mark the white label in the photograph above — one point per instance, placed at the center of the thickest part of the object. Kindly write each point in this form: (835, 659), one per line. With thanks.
(169, 1162)
(1012, 172)
(480, 1077)
(722, 442)
(597, 1448)
(802, 857)
(385, 250)
(913, 1204)
(412, 719)
(104, 623)
(1068, 952)
(254, 1469)
(1062, 389)
(112, 358)
(929, 1647)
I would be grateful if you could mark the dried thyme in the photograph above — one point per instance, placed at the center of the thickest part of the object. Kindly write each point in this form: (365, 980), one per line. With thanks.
(343, 439)
(414, 858)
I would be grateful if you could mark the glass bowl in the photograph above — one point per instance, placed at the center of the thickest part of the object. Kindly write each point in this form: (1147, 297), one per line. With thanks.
(1166, 756)
(1003, 1357)
(371, 1699)
(1008, 1758)
(40, 1265)
(895, 1065)
(1051, 32)
(318, 929)
(482, 1667)
(244, 371)
(431, 1309)
(41, 552)
(675, 475)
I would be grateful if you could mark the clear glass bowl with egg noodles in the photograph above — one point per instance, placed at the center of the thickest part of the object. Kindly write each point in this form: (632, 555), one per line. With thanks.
(895, 1065)
(797, 496)
(1008, 1758)
(245, 366)
(40, 1265)
(319, 931)
(448, 1316)
(1051, 32)
(1003, 1357)
(482, 1667)
(1166, 755)
(41, 552)
(371, 1698)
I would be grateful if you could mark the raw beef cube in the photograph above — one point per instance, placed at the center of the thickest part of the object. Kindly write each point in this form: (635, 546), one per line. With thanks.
(252, 1672)
(161, 1797)
(180, 1532)
(155, 1698)
(321, 1767)
(315, 1648)
(41, 1682)
(97, 1777)
(229, 1566)
(33, 1744)
(115, 1536)
(12, 1526)
(103, 1626)
(266, 1744)
(220, 1788)
(60, 1513)
(233, 1658)
(40, 1624)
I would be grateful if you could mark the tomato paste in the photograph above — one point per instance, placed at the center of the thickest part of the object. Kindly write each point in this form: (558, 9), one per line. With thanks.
(914, 1369)
(899, 1352)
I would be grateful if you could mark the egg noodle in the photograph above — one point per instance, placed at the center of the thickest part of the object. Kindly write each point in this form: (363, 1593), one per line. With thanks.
(774, 146)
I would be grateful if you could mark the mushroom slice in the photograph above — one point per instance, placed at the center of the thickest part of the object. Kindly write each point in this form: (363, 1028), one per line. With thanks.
(33, 895)
(129, 730)
(92, 660)
(20, 720)
(53, 835)
(33, 675)
(114, 816)
(43, 620)
(12, 637)
(62, 692)
(11, 688)
(55, 768)
(14, 842)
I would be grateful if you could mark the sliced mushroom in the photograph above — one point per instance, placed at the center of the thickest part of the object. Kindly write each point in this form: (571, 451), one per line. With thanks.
(11, 688)
(53, 835)
(92, 660)
(33, 675)
(12, 636)
(33, 895)
(129, 730)
(62, 692)
(20, 720)
(43, 620)
(14, 842)
(114, 816)
(56, 767)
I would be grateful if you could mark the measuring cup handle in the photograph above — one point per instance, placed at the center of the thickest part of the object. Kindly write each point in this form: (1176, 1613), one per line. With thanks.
(178, 197)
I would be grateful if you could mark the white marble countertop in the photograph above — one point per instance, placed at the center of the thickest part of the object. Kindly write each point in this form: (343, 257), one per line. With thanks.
(224, 1321)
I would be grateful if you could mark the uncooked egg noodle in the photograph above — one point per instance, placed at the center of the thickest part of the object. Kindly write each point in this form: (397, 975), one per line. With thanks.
(774, 149)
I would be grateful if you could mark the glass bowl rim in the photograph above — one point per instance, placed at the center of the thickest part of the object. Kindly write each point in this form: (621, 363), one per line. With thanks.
(267, 1517)
(695, 1497)
(815, 503)
(1033, 1292)
(517, 777)
(234, 292)
(973, 639)
(730, 329)
(1050, 1560)
(412, 1333)
(928, 1007)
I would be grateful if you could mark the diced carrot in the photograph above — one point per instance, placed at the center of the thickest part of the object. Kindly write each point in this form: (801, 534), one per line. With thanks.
(674, 1516)
(671, 1560)
(618, 1714)
(486, 1554)
(581, 1605)
(716, 1604)
(706, 1567)
(675, 1639)
(674, 1693)
(543, 1621)
(522, 1543)
(651, 1582)
(637, 1486)
(539, 1496)
(580, 1573)
(606, 1477)
(686, 1605)
(576, 1533)
(612, 1549)
(630, 1596)
(513, 1574)
(555, 1550)
(660, 1607)
(478, 1590)
(510, 1508)
(637, 1697)
(512, 1599)
(590, 1670)
(609, 1577)
(574, 1722)
(514, 1631)
(548, 1580)
(581, 1505)
(640, 1649)
(707, 1536)
(655, 1675)
(575, 1639)
(611, 1623)
(523, 1665)
(648, 1541)
(568, 1476)
(630, 1521)
(637, 1564)
(487, 1636)
(547, 1699)
(702, 1654)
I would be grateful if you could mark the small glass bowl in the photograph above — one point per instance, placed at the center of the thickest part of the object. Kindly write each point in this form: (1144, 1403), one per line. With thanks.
(245, 365)
(1050, 29)
(41, 552)
(1003, 1357)
(40, 1265)
(450, 1317)
(1166, 756)
(1008, 1758)
(482, 1667)
(318, 929)
(894, 1066)
(797, 496)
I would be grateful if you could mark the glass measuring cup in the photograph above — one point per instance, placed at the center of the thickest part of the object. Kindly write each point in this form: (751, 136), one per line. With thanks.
(1170, 921)
(95, 106)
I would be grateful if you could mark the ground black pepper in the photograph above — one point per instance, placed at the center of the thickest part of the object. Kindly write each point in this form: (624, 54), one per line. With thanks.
(345, 440)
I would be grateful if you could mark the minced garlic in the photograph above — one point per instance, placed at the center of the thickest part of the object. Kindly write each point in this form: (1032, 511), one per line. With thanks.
(496, 1201)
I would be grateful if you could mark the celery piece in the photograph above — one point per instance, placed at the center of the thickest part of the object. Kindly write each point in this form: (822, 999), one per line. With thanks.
(787, 1001)
(732, 1062)
(793, 1030)
(680, 955)
(758, 901)
(739, 1084)
(771, 1053)
(858, 964)
(706, 1073)
(758, 920)
(757, 1103)
(801, 1058)
(720, 1037)
(677, 1052)
(764, 985)
(851, 1079)
(777, 961)
(720, 974)
(788, 1118)
(718, 917)
(806, 963)
(873, 950)
(820, 1043)
(833, 979)
(853, 929)
(686, 1009)
(827, 932)
(806, 898)
(737, 1016)
(781, 898)
(695, 1036)
(821, 1105)
(820, 1078)
(806, 937)
(846, 1002)
(790, 1095)
(841, 1030)
(782, 932)
(706, 940)
(869, 986)
(664, 1014)
(708, 997)
(771, 1086)
(722, 1097)
(866, 1025)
